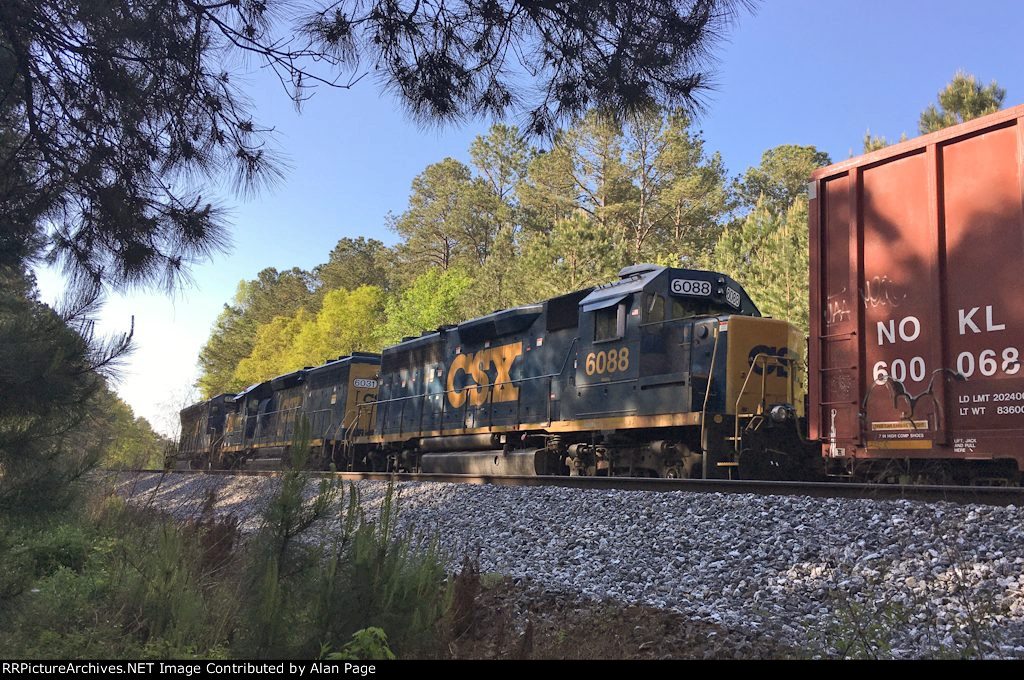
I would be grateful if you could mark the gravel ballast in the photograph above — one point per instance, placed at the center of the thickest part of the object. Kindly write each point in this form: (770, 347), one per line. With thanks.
(904, 578)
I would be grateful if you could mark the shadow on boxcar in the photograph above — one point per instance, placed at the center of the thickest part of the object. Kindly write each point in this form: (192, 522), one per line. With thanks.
(935, 298)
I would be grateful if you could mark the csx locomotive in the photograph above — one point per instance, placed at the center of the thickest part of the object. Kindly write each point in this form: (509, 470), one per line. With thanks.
(665, 372)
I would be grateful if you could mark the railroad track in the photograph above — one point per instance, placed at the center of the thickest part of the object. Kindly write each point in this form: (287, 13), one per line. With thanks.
(984, 495)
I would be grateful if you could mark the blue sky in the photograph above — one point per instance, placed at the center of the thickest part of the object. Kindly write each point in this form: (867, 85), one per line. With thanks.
(796, 72)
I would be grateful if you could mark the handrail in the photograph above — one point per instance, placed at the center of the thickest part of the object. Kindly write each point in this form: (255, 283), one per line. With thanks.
(764, 358)
(707, 395)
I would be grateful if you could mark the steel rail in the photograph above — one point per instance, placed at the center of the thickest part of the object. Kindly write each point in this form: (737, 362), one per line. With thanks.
(982, 495)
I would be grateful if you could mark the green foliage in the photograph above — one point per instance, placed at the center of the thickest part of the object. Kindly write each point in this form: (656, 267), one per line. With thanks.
(113, 580)
(874, 143)
(502, 158)
(48, 390)
(695, 197)
(577, 252)
(780, 178)
(519, 225)
(354, 263)
(131, 442)
(347, 321)
(299, 597)
(548, 192)
(768, 255)
(272, 352)
(963, 99)
(599, 174)
(278, 570)
(57, 546)
(111, 129)
(435, 297)
(395, 581)
(368, 644)
(258, 302)
(451, 219)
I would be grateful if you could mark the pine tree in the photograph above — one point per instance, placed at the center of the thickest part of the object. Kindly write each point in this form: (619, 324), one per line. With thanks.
(696, 195)
(781, 176)
(578, 252)
(963, 99)
(117, 117)
(768, 255)
(451, 219)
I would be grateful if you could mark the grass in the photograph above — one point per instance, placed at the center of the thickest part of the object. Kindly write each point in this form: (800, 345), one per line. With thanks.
(113, 580)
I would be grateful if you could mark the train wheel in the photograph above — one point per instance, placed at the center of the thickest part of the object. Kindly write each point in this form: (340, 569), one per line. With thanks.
(673, 472)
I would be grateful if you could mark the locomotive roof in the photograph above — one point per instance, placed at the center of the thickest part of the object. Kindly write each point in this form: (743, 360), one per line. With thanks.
(223, 398)
(283, 382)
(633, 279)
(258, 390)
(637, 278)
(355, 358)
(496, 323)
(502, 322)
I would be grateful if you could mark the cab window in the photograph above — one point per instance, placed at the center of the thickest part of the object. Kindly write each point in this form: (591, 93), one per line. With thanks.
(683, 308)
(610, 323)
(654, 308)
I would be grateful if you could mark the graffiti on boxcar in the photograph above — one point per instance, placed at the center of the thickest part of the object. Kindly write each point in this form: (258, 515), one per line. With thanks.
(880, 291)
(837, 308)
(841, 385)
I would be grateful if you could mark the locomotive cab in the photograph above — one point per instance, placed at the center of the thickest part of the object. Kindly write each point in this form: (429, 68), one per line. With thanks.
(684, 358)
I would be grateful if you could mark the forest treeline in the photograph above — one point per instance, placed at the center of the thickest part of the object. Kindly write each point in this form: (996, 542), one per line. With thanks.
(520, 224)
(59, 416)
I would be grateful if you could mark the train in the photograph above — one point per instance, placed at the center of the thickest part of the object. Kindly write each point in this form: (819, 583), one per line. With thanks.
(664, 372)
(910, 373)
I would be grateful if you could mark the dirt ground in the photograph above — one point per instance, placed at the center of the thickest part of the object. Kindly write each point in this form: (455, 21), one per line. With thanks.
(507, 619)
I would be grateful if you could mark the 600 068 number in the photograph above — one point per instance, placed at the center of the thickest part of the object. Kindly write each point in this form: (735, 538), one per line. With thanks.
(985, 363)
(988, 363)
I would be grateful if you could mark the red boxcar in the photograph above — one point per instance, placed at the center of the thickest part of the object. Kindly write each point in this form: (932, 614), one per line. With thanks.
(917, 305)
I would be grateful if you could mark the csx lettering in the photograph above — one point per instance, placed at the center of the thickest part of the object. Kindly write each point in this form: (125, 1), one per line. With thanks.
(773, 366)
(612, 361)
(476, 368)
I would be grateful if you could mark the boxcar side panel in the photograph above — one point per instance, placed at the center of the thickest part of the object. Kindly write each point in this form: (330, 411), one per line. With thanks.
(917, 316)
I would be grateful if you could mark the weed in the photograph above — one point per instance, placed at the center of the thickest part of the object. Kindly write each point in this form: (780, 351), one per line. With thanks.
(368, 644)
